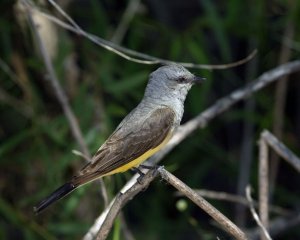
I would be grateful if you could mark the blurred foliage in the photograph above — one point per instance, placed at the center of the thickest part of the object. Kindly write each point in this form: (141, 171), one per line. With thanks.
(35, 137)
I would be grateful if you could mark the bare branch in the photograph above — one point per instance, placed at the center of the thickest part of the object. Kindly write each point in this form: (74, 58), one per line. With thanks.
(263, 180)
(254, 214)
(90, 235)
(126, 53)
(58, 89)
(281, 149)
(276, 226)
(227, 225)
(281, 93)
(61, 96)
(123, 198)
(224, 196)
(120, 201)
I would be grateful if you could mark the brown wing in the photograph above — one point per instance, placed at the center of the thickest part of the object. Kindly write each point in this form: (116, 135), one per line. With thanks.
(128, 143)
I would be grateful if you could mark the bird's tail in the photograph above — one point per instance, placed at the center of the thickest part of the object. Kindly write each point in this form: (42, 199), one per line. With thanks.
(65, 189)
(55, 196)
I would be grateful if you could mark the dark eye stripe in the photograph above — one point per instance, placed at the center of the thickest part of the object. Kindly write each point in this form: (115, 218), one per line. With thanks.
(181, 80)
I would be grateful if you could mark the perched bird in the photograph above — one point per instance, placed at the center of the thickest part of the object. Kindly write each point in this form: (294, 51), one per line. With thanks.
(144, 131)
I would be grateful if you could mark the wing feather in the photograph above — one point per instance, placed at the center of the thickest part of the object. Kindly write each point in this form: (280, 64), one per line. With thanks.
(125, 145)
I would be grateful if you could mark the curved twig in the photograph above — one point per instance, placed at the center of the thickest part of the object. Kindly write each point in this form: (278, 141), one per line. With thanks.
(126, 53)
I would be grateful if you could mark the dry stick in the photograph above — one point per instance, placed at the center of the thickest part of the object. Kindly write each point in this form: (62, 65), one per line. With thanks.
(227, 225)
(122, 51)
(58, 89)
(276, 226)
(75, 129)
(280, 94)
(254, 214)
(202, 120)
(121, 199)
(281, 149)
(224, 196)
(263, 181)
(99, 221)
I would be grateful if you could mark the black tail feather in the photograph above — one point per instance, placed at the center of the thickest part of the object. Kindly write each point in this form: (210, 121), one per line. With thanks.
(55, 196)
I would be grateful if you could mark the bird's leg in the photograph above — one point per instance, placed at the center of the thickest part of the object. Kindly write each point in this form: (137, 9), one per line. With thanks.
(154, 167)
(138, 171)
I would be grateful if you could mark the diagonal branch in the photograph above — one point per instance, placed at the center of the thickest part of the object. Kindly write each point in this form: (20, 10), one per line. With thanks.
(227, 225)
(123, 198)
(224, 196)
(61, 96)
(269, 139)
(281, 150)
(263, 181)
(265, 233)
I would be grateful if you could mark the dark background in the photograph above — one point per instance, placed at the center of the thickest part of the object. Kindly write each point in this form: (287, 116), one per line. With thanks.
(35, 137)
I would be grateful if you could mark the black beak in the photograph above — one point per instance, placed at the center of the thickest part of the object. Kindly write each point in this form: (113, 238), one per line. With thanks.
(198, 80)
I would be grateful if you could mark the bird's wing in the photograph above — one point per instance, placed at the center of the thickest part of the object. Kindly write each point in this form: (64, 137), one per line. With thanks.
(126, 145)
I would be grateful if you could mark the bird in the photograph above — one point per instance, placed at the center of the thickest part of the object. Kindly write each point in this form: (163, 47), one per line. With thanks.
(143, 132)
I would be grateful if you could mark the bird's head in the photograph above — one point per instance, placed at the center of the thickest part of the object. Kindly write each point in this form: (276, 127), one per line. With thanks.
(172, 79)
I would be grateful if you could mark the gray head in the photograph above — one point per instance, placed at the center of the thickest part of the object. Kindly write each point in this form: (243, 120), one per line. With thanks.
(170, 81)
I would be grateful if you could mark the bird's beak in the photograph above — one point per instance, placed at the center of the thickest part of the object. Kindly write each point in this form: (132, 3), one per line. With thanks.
(198, 80)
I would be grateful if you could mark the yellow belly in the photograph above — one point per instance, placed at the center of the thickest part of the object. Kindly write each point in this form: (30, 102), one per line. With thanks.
(140, 159)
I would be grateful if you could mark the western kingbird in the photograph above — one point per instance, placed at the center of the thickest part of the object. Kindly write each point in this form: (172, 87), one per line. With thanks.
(144, 131)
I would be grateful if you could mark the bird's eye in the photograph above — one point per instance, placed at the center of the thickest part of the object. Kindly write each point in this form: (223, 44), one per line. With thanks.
(181, 79)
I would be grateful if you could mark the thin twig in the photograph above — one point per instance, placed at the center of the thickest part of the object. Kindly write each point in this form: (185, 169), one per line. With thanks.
(263, 180)
(91, 234)
(58, 89)
(123, 198)
(126, 53)
(224, 196)
(281, 150)
(276, 226)
(255, 215)
(227, 225)
(62, 98)
(280, 94)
